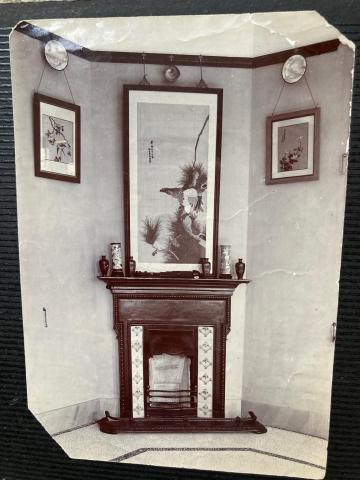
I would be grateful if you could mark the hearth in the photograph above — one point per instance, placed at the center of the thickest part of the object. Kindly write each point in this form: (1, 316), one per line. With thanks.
(172, 347)
(170, 370)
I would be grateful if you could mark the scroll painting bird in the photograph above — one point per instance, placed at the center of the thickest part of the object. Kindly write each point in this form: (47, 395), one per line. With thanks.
(190, 199)
(190, 194)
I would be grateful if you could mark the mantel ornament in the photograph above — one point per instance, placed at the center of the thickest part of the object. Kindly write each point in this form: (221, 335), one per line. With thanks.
(116, 260)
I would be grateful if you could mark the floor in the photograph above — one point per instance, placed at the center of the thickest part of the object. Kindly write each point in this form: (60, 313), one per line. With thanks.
(278, 452)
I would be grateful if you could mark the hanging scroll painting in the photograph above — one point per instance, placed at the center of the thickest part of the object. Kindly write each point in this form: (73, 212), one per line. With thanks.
(172, 170)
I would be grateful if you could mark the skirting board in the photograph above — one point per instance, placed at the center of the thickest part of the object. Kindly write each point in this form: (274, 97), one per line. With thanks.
(78, 415)
(286, 418)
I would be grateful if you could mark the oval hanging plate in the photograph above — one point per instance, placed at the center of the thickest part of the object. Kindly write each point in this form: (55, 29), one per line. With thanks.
(56, 55)
(294, 68)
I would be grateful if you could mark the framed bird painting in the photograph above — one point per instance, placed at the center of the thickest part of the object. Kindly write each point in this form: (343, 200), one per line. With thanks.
(172, 147)
(56, 138)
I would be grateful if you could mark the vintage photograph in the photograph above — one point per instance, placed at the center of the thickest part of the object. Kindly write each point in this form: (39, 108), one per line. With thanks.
(56, 139)
(176, 309)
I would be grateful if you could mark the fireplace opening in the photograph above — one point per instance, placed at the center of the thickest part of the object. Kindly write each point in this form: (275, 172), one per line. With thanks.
(170, 371)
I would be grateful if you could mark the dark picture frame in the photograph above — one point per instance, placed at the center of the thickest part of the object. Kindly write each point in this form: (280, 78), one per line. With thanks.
(172, 156)
(57, 142)
(292, 146)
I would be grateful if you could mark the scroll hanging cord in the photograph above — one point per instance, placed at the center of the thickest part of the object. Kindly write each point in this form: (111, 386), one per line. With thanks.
(144, 80)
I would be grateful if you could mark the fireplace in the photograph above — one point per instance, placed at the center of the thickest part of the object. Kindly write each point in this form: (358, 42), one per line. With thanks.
(170, 371)
(172, 348)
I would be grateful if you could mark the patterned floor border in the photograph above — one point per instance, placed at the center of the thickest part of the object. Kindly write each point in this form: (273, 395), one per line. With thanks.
(72, 429)
(139, 451)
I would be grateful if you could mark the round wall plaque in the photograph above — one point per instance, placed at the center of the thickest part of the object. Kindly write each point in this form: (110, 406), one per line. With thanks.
(172, 73)
(56, 55)
(294, 68)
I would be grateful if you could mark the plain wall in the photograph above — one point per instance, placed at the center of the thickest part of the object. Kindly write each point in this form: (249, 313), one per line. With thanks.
(64, 227)
(56, 226)
(294, 254)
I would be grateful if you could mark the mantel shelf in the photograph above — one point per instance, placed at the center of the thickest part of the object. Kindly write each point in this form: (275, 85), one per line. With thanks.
(172, 283)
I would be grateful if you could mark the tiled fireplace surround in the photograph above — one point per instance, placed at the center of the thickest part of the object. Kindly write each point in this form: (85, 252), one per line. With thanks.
(205, 377)
(200, 305)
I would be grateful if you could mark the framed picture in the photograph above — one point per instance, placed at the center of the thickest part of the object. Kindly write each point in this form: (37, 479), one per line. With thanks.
(172, 141)
(292, 146)
(56, 139)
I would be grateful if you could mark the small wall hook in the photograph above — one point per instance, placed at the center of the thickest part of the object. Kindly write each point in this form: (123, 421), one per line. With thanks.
(45, 318)
(333, 331)
(343, 163)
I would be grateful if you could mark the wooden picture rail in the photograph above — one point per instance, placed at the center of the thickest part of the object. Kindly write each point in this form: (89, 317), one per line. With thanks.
(43, 35)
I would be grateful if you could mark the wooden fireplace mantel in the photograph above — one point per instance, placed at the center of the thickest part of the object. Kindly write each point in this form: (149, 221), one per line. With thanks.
(155, 291)
(178, 306)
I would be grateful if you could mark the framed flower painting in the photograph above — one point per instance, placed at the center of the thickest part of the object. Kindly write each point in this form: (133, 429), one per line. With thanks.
(56, 139)
(292, 146)
(172, 142)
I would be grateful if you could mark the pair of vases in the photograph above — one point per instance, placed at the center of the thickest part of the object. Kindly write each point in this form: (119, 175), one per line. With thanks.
(225, 263)
(116, 262)
(225, 267)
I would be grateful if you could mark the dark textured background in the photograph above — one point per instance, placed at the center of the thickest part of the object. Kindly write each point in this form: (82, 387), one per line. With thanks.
(26, 450)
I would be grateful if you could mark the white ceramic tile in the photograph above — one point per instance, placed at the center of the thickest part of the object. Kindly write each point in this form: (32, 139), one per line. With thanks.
(137, 369)
(205, 371)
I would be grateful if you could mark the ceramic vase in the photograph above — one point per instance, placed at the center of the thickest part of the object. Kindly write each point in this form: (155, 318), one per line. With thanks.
(116, 260)
(205, 267)
(240, 268)
(104, 265)
(131, 267)
(225, 260)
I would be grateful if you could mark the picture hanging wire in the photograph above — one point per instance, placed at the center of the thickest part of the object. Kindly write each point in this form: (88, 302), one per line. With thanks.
(144, 80)
(41, 77)
(282, 88)
(308, 86)
(67, 81)
(202, 83)
(68, 84)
